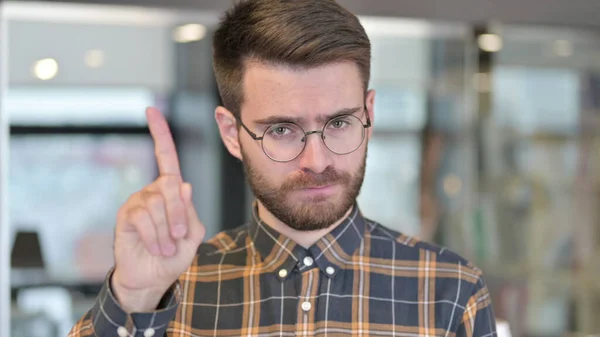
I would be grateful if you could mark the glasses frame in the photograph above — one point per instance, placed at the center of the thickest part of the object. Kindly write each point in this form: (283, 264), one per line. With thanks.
(308, 133)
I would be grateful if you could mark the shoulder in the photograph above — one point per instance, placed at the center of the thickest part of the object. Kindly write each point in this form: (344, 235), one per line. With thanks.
(230, 242)
(453, 279)
(388, 243)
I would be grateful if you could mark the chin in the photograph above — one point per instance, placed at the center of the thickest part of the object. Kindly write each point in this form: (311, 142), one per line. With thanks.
(315, 213)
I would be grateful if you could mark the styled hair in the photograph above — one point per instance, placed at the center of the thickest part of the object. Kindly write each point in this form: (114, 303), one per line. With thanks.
(293, 33)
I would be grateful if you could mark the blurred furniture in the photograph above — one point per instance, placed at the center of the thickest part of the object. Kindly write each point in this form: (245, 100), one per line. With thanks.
(39, 310)
(32, 325)
(52, 303)
(27, 261)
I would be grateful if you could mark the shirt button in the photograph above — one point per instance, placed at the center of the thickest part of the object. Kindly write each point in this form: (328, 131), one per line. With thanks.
(283, 273)
(149, 332)
(122, 332)
(329, 270)
(308, 261)
(306, 306)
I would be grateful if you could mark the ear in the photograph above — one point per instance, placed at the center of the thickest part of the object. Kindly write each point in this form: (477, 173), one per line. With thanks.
(229, 131)
(370, 101)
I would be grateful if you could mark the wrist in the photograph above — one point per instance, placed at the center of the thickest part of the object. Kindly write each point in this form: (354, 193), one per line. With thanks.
(135, 300)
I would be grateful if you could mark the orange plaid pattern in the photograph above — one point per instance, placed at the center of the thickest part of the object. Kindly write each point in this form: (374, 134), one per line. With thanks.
(361, 279)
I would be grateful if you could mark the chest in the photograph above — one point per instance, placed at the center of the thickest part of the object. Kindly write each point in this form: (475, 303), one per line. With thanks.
(314, 303)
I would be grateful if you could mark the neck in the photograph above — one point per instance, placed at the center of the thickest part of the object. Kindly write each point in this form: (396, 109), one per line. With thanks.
(303, 238)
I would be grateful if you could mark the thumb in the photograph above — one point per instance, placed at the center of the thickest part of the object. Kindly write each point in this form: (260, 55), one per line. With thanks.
(196, 229)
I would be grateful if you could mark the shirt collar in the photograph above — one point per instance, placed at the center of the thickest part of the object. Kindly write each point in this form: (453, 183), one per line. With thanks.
(281, 255)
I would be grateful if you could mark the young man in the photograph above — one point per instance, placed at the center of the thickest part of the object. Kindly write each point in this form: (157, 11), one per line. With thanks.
(293, 76)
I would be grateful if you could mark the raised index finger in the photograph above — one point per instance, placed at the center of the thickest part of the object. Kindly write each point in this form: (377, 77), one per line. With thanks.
(164, 146)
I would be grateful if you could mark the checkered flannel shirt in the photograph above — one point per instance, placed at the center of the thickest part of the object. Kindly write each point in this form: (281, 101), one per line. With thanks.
(361, 279)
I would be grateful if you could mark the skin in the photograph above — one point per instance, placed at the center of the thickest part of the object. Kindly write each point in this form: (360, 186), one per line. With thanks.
(307, 95)
(158, 230)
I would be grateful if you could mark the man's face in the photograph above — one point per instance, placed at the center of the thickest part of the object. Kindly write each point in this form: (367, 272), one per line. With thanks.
(318, 187)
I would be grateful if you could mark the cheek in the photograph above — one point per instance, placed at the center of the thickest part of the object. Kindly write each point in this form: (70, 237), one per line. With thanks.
(273, 172)
(276, 173)
(350, 162)
(250, 147)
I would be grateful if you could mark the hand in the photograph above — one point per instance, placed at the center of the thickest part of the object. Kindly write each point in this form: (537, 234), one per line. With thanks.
(158, 231)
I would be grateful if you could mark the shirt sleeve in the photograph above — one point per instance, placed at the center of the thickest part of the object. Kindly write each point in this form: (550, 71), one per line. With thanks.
(108, 319)
(478, 317)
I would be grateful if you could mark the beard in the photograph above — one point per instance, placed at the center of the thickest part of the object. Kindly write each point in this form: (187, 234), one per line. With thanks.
(306, 214)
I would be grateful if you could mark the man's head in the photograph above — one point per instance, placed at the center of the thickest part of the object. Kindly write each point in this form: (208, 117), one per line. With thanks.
(299, 63)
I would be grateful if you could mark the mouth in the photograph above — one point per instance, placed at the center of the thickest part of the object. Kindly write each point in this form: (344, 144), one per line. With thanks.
(319, 191)
(317, 188)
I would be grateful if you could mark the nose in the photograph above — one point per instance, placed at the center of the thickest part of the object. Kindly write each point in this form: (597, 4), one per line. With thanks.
(315, 157)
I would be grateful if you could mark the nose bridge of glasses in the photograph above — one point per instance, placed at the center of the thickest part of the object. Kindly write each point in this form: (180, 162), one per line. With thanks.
(306, 134)
(317, 153)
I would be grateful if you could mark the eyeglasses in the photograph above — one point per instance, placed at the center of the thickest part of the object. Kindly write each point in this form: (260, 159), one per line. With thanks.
(283, 142)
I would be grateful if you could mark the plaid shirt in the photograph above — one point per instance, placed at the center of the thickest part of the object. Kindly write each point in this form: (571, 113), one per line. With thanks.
(361, 279)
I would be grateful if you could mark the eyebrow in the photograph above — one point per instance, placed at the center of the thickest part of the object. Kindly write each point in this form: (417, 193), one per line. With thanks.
(298, 120)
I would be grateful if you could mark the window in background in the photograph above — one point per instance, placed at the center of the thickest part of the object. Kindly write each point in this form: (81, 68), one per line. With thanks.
(418, 71)
(66, 184)
(80, 79)
(78, 105)
(542, 180)
(68, 189)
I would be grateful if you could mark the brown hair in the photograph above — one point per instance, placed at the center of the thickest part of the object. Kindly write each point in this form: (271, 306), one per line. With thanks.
(292, 33)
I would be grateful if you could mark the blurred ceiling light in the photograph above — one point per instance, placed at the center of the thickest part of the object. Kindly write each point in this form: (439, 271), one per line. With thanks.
(482, 82)
(563, 48)
(94, 58)
(404, 27)
(88, 13)
(452, 185)
(490, 42)
(45, 69)
(189, 33)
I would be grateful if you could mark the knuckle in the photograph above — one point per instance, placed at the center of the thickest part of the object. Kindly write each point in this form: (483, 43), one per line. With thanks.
(154, 201)
(122, 214)
(132, 201)
(166, 183)
(137, 215)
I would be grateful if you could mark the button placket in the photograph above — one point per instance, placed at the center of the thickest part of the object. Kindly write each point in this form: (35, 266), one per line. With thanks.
(306, 306)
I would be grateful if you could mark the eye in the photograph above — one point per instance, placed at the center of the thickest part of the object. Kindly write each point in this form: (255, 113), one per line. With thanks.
(339, 123)
(281, 130)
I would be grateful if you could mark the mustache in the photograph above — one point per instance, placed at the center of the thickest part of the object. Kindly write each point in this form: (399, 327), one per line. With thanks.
(309, 179)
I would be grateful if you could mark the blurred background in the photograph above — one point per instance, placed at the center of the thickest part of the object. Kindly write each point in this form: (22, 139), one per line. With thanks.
(487, 141)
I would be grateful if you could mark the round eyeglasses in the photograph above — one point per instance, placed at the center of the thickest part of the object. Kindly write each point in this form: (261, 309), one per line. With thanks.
(283, 142)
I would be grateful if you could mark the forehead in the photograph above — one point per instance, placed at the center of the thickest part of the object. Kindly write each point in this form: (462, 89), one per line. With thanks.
(307, 92)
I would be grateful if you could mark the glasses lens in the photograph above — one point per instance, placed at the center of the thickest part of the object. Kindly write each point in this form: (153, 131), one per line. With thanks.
(344, 134)
(283, 142)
